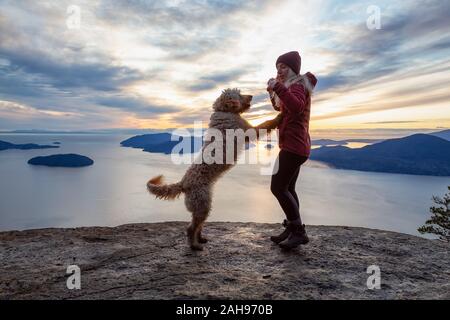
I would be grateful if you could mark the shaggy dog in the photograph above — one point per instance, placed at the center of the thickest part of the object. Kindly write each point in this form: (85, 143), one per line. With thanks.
(200, 177)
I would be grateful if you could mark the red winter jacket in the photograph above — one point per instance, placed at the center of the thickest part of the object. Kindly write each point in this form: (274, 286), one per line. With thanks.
(296, 109)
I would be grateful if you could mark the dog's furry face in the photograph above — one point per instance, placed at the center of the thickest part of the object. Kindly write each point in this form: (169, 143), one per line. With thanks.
(231, 100)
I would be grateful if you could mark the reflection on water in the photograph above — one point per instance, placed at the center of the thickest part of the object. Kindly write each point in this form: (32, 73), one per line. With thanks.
(355, 145)
(352, 145)
(112, 191)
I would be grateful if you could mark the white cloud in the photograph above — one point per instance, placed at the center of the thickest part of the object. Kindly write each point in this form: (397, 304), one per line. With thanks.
(182, 53)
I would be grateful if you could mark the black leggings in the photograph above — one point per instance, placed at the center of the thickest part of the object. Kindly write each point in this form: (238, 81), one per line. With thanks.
(283, 183)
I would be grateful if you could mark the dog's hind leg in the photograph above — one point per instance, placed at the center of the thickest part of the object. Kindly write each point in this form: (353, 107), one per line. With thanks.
(194, 230)
(198, 202)
(201, 238)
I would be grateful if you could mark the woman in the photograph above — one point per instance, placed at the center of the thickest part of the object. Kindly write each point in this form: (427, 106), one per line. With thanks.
(291, 94)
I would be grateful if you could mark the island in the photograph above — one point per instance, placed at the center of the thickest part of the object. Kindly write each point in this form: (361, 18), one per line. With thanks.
(144, 140)
(418, 154)
(152, 261)
(27, 146)
(163, 143)
(69, 160)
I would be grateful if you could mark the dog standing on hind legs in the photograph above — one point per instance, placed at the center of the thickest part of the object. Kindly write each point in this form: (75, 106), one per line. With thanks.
(197, 201)
(199, 179)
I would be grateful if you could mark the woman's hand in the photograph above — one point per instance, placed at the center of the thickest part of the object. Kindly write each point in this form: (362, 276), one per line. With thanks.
(270, 84)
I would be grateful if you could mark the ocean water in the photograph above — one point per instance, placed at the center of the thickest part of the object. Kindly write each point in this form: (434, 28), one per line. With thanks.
(112, 191)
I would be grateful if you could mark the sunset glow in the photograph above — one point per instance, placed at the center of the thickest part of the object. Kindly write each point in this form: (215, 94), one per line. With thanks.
(147, 64)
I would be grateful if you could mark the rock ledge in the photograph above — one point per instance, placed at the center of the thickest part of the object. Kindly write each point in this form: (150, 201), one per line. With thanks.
(152, 261)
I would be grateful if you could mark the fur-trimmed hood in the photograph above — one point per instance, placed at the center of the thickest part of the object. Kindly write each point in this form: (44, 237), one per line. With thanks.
(308, 80)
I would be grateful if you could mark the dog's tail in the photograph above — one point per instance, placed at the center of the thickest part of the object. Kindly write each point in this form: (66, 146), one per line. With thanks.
(164, 191)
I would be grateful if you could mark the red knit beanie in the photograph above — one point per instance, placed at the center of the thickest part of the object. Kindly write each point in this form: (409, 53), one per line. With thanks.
(292, 60)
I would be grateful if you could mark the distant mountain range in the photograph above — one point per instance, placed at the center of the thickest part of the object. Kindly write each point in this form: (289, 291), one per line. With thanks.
(90, 131)
(419, 154)
(93, 131)
(445, 134)
(27, 146)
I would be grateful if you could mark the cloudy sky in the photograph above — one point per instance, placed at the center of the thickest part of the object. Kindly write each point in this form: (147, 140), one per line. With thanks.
(156, 64)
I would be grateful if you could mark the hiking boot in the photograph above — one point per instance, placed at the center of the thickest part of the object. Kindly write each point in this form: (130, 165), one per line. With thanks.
(284, 235)
(297, 237)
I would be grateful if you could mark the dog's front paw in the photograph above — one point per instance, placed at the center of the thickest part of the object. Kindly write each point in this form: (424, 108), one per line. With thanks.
(202, 239)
